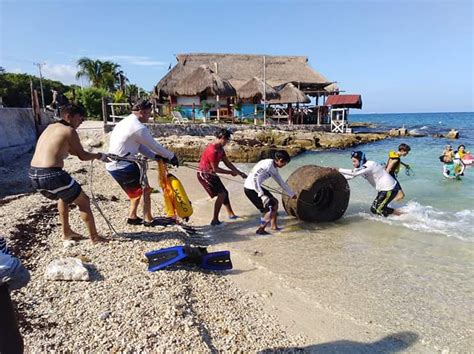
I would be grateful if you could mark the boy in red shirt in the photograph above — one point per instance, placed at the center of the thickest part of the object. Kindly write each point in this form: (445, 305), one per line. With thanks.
(208, 170)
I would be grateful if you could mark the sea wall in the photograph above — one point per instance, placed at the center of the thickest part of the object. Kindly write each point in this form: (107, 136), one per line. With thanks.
(17, 133)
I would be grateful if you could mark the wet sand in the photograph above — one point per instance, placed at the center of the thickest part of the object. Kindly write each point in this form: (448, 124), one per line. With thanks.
(324, 297)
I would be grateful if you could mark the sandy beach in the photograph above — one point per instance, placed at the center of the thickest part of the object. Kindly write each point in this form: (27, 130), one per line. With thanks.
(251, 308)
(125, 307)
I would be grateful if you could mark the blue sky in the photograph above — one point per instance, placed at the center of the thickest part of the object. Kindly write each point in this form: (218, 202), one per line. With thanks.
(402, 56)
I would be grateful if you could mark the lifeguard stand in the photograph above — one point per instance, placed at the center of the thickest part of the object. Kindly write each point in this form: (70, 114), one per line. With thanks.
(339, 122)
(339, 111)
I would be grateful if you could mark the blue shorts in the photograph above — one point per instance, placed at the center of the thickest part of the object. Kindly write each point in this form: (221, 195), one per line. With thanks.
(129, 179)
(54, 183)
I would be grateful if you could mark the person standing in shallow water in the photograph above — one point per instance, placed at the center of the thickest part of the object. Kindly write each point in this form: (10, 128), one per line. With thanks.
(386, 186)
(393, 166)
(48, 177)
(208, 170)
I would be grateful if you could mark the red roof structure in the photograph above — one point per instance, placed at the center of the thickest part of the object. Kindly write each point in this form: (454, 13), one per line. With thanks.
(344, 101)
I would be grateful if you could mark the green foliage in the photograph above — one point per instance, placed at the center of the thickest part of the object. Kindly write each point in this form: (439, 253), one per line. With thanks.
(178, 108)
(238, 106)
(101, 74)
(119, 97)
(205, 107)
(135, 92)
(16, 92)
(91, 99)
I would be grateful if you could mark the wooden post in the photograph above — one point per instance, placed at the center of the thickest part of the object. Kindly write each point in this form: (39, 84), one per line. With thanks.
(290, 114)
(105, 116)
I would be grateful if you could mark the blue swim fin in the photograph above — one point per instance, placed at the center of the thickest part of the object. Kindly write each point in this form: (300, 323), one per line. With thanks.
(199, 256)
(164, 257)
(216, 261)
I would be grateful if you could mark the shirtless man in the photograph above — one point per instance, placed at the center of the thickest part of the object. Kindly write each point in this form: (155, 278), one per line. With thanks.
(48, 177)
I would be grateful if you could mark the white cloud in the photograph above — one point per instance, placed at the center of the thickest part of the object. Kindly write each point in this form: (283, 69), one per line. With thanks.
(65, 73)
(134, 60)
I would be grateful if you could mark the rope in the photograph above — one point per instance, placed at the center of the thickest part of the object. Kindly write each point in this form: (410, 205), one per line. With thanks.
(96, 204)
(271, 189)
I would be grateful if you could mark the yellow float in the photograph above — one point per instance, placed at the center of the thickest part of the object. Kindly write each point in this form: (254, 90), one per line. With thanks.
(176, 200)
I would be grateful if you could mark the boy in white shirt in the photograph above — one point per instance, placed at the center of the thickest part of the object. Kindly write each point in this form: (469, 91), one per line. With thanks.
(261, 197)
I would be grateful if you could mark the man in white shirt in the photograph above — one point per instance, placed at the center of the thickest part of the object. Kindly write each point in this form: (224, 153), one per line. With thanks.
(261, 197)
(380, 179)
(130, 137)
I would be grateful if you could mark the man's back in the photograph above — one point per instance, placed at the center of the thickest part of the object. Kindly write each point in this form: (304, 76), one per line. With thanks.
(53, 146)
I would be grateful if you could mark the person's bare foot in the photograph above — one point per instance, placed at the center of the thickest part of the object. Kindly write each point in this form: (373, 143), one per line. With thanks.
(397, 212)
(73, 236)
(99, 239)
(276, 228)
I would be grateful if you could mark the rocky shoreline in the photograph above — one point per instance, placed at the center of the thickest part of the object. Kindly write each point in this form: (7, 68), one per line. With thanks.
(248, 144)
(253, 143)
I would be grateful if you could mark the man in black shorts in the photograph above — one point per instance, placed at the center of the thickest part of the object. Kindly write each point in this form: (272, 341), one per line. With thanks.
(48, 177)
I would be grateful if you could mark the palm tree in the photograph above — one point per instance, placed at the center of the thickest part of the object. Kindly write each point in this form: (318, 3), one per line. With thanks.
(101, 74)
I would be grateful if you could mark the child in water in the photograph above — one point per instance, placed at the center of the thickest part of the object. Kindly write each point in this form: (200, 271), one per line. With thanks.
(261, 197)
(393, 166)
(448, 154)
(461, 153)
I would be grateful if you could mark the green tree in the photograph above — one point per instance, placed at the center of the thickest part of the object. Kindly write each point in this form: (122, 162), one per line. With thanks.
(16, 92)
(91, 99)
(205, 107)
(101, 74)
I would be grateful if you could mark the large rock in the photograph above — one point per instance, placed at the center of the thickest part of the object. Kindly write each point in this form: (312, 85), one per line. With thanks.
(453, 134)
(67, 269)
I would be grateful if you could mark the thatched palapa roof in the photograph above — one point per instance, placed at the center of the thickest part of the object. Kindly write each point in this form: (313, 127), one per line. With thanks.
(204, 80)
(255, 89)
(238, 69)
(290, 94)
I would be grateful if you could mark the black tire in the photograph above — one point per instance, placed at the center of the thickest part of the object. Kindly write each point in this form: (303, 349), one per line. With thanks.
(322, 194)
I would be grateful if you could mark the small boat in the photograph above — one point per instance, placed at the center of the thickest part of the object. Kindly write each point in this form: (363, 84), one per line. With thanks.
(454, 170)
(468, 159)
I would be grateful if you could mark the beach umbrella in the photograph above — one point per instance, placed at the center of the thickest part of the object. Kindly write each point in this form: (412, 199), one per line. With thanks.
(203, 80)
(290, 94)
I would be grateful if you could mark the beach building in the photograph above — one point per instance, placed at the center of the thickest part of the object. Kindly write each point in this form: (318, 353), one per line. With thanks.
(207, 86)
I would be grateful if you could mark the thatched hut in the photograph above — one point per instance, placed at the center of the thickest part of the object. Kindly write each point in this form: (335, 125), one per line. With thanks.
(204, 81)
(238, 70)
(255, 89)
(290, 94)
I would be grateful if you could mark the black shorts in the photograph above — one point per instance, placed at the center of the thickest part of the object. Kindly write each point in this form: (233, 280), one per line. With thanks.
(398, 184)
(213, 185)
(257, 201)
(54, 183)
(383, 199)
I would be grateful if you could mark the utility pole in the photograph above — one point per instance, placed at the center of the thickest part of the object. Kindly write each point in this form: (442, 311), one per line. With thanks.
(39, 65)
(264, 93)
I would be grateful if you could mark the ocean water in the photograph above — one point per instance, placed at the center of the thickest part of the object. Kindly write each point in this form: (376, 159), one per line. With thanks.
(412, 272)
